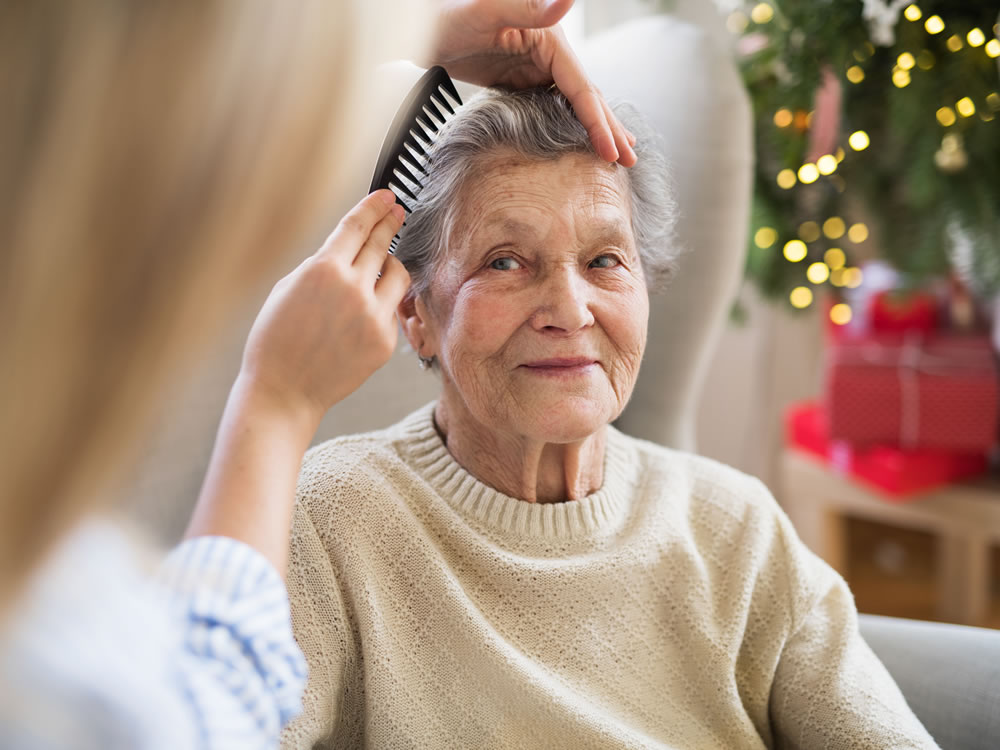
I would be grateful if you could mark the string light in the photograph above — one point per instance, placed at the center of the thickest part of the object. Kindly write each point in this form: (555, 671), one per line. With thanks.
(965, 107)
(801, 297)
(986, 116)
(737, 22)
(946, 116)
(900, 78)
(765, 237)
(925, 59)
(934, 25)
(853, 277)
(834, 227)
(993, 48)
(912, 13)
(993, 99)
(795, 250)
(809, 231)
(837, 277)
(858, 233)
(840, 314)
(783, 118)
(818, 272)
(855, 74)
(808, 173)
(840, 155)
(827, 164)
(786, 179)
(906, 61)
(954, 43)
(975, 37)
(761, 13)
(858, 140)
(835, 258)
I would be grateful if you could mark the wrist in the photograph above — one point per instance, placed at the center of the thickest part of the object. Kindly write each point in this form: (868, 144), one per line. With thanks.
(267, 408)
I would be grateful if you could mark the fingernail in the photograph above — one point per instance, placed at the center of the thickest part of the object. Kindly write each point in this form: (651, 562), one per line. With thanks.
(631, 138)
(398, 212)
(388, 196)
(607, 149)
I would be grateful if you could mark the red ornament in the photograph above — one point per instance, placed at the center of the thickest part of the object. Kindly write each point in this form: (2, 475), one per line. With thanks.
(895, 311)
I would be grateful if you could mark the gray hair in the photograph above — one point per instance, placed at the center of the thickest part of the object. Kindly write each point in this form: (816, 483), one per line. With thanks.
(537, 125)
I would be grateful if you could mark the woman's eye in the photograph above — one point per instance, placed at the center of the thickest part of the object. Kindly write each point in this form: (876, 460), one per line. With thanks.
(504, 264)
(604, 261)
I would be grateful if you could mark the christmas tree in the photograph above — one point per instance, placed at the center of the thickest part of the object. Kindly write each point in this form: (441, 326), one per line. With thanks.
(878, 135)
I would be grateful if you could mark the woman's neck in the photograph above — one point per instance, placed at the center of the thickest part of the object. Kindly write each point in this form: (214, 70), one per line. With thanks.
(531, 470)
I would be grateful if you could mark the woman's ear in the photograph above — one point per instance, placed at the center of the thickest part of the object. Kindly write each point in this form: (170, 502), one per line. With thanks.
(413, 316)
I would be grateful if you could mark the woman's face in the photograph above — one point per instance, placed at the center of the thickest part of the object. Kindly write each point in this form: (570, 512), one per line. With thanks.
(538, 309)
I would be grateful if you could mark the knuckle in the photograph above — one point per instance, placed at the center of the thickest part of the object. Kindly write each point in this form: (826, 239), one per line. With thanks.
(354, 223)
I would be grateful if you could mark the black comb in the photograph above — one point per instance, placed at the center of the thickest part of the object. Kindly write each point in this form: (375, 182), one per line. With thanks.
(403, 158)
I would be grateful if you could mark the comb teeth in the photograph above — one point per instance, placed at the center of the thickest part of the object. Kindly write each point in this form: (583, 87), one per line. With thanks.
(432, 108)
(428, 121)
(443, 101)
(407, 158)
(414, 128)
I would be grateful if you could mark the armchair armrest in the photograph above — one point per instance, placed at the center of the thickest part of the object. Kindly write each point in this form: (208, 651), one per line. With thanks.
(949, 674)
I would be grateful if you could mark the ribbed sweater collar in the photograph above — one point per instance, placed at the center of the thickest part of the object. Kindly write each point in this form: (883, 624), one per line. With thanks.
(422, 447)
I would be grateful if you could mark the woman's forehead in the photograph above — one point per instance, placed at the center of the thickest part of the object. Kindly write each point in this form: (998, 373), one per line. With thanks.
(523, 198)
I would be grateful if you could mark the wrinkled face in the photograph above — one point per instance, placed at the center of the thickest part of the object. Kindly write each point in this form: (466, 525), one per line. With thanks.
(538, 309)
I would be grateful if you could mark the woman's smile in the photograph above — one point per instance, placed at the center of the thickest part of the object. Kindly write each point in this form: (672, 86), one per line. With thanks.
(561, 367)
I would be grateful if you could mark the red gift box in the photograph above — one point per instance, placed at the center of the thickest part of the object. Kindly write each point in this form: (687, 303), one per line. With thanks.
(897, 473)
(938, 392)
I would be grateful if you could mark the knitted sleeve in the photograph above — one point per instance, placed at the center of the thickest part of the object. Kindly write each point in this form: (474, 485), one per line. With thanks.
(320, 624)
(830, 690)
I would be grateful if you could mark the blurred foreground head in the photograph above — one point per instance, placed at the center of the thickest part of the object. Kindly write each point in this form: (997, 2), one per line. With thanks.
(156, 159)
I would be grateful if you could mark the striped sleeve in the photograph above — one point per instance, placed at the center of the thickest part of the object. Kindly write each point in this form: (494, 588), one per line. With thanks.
(240, 665)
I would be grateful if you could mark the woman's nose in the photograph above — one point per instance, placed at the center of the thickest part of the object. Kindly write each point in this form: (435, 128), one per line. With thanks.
(563, 302)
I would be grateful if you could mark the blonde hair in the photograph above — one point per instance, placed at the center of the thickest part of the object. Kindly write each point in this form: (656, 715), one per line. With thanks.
(156, 159)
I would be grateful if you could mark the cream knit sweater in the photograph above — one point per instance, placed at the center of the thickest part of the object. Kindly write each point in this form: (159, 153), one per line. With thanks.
(673, 608)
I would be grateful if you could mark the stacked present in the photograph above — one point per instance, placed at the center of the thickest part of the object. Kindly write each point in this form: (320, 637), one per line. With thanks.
(905, 408)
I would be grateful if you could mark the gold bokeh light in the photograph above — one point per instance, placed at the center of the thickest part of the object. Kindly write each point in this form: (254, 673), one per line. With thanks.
(946, 116)
(835, 258)
(858, 140)
(858, 233)
(965, 107)
(841, 314)
(834, 228)
(818, 272)
(765, 237)
(795, 250)
(786, 179)
(808, 173)
(934, 25)
(801, 297)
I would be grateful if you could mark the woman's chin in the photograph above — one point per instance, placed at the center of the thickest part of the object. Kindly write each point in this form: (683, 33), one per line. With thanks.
(567, 421)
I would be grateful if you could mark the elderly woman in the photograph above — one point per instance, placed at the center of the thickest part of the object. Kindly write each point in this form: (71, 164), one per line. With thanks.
(505, 569)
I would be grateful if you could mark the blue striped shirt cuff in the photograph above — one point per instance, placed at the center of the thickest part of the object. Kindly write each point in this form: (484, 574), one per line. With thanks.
(238, 613)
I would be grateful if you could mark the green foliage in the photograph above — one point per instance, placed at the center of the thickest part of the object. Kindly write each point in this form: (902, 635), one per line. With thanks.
(919, 180)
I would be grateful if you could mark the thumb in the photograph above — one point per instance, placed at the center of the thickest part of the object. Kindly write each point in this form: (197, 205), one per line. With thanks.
(531, 14)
